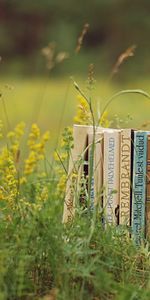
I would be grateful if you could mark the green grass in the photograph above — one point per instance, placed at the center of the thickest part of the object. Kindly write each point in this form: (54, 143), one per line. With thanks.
(40, 258)
(80, 261)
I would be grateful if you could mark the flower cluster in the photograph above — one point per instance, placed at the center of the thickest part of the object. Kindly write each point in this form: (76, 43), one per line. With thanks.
(104, 121)
(83, 115)
(36, 144)
(14, 140)
(16, 168)
(8, 177)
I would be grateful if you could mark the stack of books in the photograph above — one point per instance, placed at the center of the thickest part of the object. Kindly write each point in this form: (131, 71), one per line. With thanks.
(113, 166)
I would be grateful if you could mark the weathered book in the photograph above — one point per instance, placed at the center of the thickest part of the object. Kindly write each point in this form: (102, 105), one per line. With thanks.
(111, 176)
(139, 186)
(75, 171)
(95, 170)
(148, 190)
(126, 153)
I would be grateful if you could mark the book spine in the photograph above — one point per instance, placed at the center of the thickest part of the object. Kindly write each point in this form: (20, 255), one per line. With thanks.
(91, 181)
(75, 171)
(95, 168)
(125, 177)
(148, 190)
(139, 186)
(111, 176)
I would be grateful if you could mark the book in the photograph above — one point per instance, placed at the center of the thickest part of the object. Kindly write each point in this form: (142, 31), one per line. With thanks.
(111, 176)
(75, 170)
(126, 156)
(95, 171)
(148, 189)
(139, 186)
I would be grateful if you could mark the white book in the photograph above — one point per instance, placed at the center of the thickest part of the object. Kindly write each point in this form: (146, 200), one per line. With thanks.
(111, 176)
(75, 171)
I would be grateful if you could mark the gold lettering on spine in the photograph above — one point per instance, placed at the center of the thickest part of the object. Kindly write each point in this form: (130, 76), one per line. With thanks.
(125, 176)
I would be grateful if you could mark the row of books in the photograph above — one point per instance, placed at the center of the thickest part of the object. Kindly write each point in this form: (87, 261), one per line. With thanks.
(117, 165)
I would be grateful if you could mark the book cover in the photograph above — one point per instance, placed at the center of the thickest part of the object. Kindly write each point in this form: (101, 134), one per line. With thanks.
(111, 176)
(95, 171)
(75, 170)
(126, 147)
(148, 190)
(139, 186)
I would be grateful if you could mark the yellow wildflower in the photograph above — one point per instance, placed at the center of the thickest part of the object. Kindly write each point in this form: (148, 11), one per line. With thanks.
(44, 193)
(36, 144)
(61, 186)
(23, 180)
(83, 115)
(46, 136)
(10, 134)
(19, 129)
(35, 132)
(104, 121)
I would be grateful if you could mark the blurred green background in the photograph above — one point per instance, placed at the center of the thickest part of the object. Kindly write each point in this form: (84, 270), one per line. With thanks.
(27, 26)
(34, 93)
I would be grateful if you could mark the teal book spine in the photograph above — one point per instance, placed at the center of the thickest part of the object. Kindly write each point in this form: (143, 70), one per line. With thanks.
(139, 186)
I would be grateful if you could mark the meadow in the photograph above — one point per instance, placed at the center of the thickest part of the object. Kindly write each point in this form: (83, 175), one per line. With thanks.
(52, 102)
(40, 258)
(41, 43)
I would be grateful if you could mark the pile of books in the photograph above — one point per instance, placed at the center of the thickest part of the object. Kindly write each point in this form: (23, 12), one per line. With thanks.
(115, 164)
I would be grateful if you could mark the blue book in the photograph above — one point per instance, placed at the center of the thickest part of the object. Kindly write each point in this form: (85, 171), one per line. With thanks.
(139, 186)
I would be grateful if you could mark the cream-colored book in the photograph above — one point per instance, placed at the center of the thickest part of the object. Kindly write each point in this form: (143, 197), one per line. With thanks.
(125, 177)
(75, 171)
(95, 162)
(111, 176)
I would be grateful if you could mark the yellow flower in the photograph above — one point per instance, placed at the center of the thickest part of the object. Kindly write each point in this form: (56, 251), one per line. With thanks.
(61, 186)
(10, 134)
(82, 101)
(36, 144)
(46, 136)
(83, 115)
(19, 129)
(44, 194)
(104, 121)
(23, 180)
(35, 131)
(11, 184)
